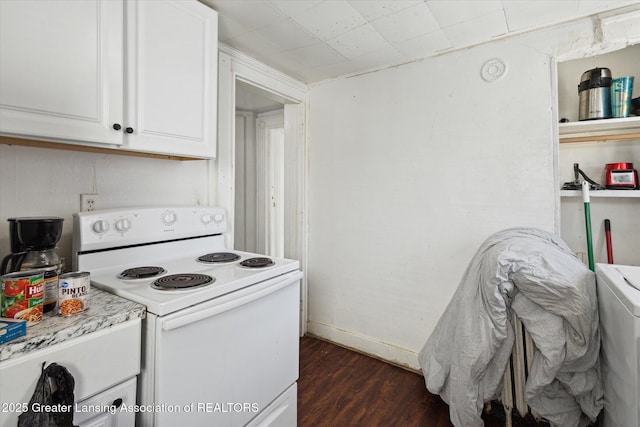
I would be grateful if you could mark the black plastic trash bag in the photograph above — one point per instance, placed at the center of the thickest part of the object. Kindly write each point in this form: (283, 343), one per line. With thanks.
(52, 403)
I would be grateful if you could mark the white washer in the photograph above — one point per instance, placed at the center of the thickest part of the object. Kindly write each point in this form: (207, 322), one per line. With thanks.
(619, 306)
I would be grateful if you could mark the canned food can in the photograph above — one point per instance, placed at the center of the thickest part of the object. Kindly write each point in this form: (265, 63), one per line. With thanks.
(50, 288)
(23, 295)
(73, 295)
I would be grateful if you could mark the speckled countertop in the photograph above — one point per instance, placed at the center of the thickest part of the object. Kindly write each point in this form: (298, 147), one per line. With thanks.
(105, 310)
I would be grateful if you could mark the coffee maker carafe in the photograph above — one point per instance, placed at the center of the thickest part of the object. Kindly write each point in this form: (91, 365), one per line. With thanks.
(33, 245)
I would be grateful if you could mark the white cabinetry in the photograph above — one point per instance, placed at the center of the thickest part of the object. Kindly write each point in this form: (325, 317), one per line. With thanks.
(61, 69)
(137, 75)
(100, 376)
(171, 77)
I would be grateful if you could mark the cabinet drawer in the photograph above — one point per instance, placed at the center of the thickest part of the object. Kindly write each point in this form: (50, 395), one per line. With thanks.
(106, 408)
(97, 361)
(282, 412)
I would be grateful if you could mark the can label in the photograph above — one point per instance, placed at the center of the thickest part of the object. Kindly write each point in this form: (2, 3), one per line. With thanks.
(73, 295)
(22, 295)
(50, 288)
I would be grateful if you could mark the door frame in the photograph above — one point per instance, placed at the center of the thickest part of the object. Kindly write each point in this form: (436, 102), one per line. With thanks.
(235, 65)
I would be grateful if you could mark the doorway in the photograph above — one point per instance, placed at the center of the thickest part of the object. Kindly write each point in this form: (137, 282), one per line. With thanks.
(259, 215)
(243, 81)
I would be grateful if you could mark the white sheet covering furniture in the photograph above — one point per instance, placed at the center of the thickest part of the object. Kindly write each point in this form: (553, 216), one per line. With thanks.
(536, 275)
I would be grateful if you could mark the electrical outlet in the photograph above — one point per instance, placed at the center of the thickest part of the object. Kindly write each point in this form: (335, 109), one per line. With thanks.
(88, 202)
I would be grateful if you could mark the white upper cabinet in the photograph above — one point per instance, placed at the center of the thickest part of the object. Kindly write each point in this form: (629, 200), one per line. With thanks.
(171, 70)
(135, 74)
(61, 69)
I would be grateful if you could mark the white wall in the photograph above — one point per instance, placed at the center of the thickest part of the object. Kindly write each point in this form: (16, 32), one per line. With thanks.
(411, 168)
(46, 182)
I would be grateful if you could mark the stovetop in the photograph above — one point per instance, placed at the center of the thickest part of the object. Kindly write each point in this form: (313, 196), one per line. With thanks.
(225, 278)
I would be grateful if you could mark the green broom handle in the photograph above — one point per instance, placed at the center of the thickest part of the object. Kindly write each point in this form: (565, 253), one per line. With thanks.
(587, 223)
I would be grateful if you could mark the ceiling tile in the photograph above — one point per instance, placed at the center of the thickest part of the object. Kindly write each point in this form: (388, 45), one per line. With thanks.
(257, 42)
(424, 46)
(309, 56)
(334, 70)
(529, 14)
(477, 30)
(288, 35)
(451, 12)
(407, 24)
(229, 28)
(293, 8)
(252, 13)
(329, 19)
(364, 39)
(372, 10)
(386, 56)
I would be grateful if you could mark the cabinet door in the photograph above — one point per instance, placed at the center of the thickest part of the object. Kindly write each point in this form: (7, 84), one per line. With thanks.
(171, 77)
(61, 70)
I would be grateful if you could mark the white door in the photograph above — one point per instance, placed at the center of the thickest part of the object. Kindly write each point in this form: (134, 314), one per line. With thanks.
(270, 173)
(171, 77)
(61, 69)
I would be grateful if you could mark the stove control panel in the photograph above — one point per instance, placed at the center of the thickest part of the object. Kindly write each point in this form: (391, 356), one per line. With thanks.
(123, 227)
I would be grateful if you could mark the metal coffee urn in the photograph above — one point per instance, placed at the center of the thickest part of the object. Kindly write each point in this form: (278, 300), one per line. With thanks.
(594, 94)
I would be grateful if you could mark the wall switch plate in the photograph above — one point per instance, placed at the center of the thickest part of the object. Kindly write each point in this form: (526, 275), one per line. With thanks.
(89, 202)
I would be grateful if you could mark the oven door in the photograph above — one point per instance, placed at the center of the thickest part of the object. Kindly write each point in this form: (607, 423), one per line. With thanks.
(222, 362)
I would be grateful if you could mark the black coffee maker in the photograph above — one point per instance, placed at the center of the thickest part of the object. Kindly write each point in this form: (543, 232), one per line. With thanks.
(30, 234)
(33, 247)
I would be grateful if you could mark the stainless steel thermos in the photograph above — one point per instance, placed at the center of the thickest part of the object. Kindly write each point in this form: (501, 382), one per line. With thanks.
(594, 92)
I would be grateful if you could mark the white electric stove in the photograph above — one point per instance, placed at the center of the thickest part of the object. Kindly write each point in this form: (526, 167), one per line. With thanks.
(220, 339)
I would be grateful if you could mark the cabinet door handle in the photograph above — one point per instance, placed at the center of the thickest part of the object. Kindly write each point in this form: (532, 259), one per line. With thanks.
(129, 130)
(117, 403)
(117, 126)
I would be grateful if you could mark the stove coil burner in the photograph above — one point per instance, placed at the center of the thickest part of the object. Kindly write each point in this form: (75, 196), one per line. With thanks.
(141, 272)
(187, 281)
(219, 257)
(258, 262)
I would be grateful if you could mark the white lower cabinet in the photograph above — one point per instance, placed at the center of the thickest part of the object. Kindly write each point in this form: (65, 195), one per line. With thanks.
(111, 408)
(100, 362)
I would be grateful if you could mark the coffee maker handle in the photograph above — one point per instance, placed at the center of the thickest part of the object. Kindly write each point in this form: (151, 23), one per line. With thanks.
(12, 262)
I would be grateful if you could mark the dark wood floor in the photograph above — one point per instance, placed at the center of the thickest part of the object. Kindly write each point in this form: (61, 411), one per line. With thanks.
(339, 387)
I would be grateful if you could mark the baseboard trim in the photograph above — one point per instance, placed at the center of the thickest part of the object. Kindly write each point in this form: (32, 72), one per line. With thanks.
(386, 352)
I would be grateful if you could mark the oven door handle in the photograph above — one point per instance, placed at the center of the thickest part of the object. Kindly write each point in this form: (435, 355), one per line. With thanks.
(185, 320)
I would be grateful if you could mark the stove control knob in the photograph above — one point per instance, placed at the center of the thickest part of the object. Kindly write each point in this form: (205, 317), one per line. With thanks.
(206, 218)
(168, 217)
(122, 225)
(218, 217)
(100, 226)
